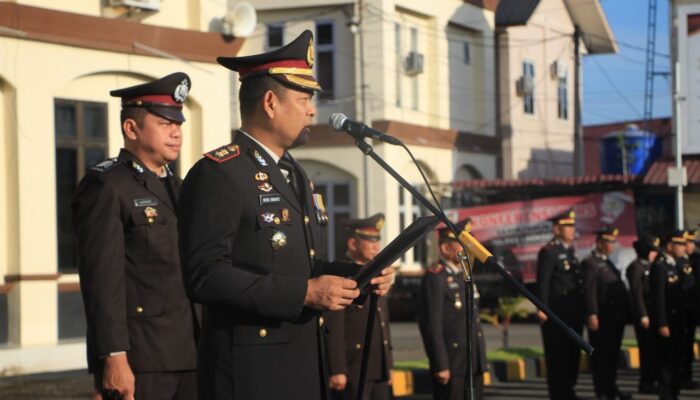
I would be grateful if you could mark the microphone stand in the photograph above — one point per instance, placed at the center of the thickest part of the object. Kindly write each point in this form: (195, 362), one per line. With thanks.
(368, 344)
(476, 248)
(469, 310)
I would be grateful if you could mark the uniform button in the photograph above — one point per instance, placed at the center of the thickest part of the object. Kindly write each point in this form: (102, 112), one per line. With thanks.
(386, 342)
(263, 332)
(455, 345)
(320, 321)
(478, 334)
(139, 310)
(358, 346)
(379, 309)
(312, 252)
(306, 219)
(382, 323)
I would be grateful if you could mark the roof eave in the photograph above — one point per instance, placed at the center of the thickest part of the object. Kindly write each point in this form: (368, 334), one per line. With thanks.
(591, 19)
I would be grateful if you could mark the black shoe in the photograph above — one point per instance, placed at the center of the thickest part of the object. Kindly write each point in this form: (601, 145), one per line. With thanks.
(648, 388)
(691, 384)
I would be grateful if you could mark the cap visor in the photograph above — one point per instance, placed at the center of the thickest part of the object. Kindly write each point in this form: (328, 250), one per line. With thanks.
(170, 113)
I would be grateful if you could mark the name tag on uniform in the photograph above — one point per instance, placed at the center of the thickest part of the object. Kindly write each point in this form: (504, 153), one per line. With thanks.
(269, 199)
(148, 202)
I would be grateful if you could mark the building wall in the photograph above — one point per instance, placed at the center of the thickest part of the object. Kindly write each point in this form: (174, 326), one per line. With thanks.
(539, 144)
(32, 76)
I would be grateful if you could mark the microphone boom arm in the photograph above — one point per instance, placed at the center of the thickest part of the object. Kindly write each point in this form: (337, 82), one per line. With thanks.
(476, 249)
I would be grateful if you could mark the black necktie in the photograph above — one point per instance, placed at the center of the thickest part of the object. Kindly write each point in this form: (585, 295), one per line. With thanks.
(286, 164)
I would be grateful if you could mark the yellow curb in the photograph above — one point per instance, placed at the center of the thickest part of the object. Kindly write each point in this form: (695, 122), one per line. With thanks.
(515, 370)
(487, 378)
(583, 364)
(402, 383)
(696, 351)
(633, 353)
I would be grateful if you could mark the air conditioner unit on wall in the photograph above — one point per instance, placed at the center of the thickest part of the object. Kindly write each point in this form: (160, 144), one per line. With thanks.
(414, 63)
(148, 5)
(558, 69)
(524, 85)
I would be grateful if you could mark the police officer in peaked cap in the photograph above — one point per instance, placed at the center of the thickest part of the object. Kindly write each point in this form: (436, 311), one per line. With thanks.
(252, 245)
(607, 311)
(560, 284)
(346, 328)
(647, 248)
(141, 326)
(667, 313)
(442, 321)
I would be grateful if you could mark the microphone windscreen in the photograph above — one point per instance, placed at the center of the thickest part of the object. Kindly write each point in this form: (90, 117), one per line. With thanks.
(336, 120)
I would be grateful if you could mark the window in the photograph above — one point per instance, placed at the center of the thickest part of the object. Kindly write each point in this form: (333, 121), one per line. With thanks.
(337, 199)
(414, 79)
(467, 54)
(562, 100)
(529, 87)
(81, 142)
(275, 36)
(325, 59)
(409, 211)
(71, 314)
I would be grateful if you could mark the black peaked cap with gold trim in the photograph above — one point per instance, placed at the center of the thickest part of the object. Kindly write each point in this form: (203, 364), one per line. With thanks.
(678, 236)
(445, 233)
(163, 97)
(646, 243)
(291, 64)
(568, 217)
(366, 228)
(691, 235)
(608, 233)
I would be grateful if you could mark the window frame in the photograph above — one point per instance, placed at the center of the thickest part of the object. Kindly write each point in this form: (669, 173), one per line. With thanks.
(529, 98)
(279, 25)
(324, 96)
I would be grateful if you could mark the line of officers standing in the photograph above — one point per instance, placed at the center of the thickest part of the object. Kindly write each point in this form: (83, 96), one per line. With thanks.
(662, 304)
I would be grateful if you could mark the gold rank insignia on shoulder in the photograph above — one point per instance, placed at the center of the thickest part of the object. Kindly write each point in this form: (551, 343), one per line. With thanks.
(261, 176)
(673, 279)
(278, 240)
(224, 153)
(567, 266)
(264, 186)
(150, 213)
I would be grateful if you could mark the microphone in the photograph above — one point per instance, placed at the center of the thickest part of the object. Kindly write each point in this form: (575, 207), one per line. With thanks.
(340, 122)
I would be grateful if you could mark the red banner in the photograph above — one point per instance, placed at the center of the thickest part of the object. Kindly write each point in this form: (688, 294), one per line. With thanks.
(515, 232)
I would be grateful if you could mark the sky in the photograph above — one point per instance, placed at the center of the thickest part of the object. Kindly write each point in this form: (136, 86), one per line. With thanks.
(613, 85)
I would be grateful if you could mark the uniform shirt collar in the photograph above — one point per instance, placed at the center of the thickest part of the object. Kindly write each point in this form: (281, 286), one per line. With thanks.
(669, 258)
(599, 255)
(271, 153)
(451, 267)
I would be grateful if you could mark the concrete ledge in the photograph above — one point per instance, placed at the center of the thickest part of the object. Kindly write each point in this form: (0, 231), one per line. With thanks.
(37, 359)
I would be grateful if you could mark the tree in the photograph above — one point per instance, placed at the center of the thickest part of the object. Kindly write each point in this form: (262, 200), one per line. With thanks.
(501, 316)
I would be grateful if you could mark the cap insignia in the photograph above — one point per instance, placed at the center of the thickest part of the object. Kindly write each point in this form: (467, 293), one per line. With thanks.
(181, 91)
(310, 53)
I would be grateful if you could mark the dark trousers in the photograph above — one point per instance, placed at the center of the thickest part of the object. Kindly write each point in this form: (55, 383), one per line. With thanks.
(645, 343)
(374, 390)
(454, 390)
(669, 352)
(606, 342)
(562, 356)
(688, 349)
(161, 385)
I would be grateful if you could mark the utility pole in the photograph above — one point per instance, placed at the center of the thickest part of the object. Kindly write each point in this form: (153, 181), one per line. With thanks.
(676, 176)
(578, 129)
(649, 69)
(363, 100)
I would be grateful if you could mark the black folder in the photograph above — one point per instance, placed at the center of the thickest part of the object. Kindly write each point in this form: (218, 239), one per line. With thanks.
(395, 249)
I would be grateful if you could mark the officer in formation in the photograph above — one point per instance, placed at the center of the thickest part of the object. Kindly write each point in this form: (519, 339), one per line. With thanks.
(442, 322)
(141, 326)
(560, 284)
(346, 328)
(689, 283)
(251, 242)
(607, 311)
(647, 248)
(693, 308)
(668, 313)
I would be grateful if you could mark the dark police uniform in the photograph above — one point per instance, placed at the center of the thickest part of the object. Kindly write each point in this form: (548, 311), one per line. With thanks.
(442, 322)
(346, 328)
(249, 242)
(606, 297)
(639, 288)
(668, 310)
(689, 285)
(130, 276)
(560, 283)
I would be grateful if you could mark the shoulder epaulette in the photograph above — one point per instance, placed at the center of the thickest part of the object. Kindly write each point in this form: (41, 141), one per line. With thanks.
(105, 165)
(436, 269)
(224, 153)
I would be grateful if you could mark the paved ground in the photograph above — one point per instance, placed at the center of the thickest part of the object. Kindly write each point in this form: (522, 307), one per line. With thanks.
(74, 385)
